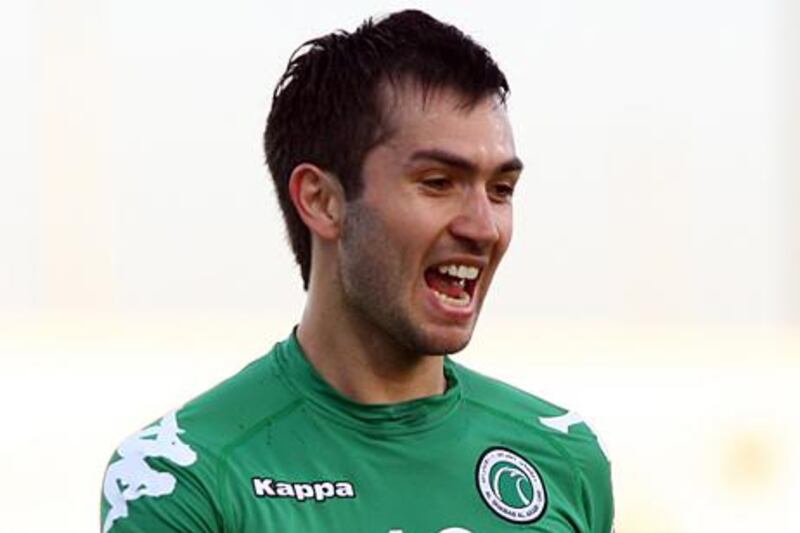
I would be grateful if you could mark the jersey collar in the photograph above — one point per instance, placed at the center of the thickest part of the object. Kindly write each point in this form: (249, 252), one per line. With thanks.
(406, 417)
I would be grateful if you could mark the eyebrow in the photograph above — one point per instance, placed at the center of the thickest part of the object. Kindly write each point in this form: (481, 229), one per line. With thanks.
(456, 161)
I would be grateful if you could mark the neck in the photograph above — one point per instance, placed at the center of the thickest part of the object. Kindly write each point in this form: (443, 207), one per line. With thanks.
(361, 362)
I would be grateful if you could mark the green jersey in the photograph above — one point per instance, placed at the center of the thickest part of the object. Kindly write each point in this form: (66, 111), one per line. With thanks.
(277, 449)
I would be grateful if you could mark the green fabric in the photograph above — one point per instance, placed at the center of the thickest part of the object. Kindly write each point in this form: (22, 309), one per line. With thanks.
(276, 449)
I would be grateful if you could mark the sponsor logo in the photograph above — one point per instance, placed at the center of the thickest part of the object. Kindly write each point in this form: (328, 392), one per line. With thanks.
(301, 491)
(511, 486)
(130, 477)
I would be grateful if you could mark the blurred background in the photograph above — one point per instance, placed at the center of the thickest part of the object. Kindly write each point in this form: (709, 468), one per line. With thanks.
(653, 283)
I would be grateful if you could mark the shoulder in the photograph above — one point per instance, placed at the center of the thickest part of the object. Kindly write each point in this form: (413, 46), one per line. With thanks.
(494, 394)
(226, 413)
(229, 411)
(574, 438)
(565, 429)
(166, 476)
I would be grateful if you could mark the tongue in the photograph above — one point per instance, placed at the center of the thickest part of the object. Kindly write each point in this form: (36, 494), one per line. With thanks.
(444, 284)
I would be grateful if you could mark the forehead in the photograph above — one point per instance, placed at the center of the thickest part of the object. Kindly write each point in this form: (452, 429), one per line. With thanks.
(443, 119)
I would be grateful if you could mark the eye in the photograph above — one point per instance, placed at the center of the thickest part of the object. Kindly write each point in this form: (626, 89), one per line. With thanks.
(437, 183)
(502, 191)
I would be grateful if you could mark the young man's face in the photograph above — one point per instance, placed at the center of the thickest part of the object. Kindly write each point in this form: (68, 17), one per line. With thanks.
(421, 244)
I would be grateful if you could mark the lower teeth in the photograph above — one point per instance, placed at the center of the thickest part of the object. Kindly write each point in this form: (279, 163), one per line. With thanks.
(462, 301)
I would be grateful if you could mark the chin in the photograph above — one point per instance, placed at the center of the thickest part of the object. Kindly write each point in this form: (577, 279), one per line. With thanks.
(445, 342)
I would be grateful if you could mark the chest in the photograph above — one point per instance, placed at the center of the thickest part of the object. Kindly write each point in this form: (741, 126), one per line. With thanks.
(458, 479)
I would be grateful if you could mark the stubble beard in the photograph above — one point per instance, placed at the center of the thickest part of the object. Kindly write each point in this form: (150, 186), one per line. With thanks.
(372, 281)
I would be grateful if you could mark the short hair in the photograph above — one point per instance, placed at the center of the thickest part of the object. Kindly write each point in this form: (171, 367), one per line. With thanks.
(327, 107)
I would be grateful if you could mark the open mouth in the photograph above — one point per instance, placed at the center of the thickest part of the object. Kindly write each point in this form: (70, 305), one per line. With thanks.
(453, 283)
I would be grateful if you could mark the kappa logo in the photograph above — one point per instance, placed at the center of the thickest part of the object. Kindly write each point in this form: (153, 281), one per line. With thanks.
(511, 486)
(564, 422)
(130, 477)
(301, 491)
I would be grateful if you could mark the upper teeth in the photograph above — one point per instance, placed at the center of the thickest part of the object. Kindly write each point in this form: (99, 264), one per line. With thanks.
(460, 271)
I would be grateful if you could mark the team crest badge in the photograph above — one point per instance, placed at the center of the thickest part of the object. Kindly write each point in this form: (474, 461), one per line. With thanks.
(511, 486)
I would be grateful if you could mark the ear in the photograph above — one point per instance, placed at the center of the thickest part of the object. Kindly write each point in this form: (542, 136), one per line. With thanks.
(318, 198)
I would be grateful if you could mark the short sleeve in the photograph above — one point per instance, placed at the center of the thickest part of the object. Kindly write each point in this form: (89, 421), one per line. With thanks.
(597, 495)
(159, 480)
(592, 469)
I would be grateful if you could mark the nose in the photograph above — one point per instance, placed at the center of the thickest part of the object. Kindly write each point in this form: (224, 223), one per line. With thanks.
(476, 223)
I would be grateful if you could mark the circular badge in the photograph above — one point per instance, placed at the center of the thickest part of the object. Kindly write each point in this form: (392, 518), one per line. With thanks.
(510, 486)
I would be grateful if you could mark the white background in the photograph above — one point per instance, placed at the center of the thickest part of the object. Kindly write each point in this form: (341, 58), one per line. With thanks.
(653, 283)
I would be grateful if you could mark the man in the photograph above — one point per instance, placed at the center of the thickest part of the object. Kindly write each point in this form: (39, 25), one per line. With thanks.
(394, 163)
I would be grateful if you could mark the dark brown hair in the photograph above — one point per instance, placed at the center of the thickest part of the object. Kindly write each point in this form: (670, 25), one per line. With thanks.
(326, 108)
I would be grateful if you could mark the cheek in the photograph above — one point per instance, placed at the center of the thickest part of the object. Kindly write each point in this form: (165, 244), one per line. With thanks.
(415, 225)
(505, 227)
(509, 231)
